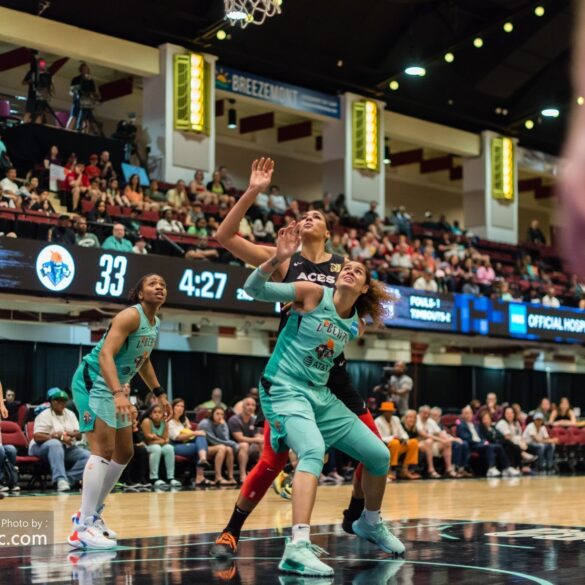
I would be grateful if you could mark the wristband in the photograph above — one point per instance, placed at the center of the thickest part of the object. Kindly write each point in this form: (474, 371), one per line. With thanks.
(158, 391)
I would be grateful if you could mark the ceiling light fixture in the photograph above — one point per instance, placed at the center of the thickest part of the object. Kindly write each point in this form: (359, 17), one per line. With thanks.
(415, 71)
(449, 57)
(394, 85)
(508, 27)
(232, 116)
(478, 42)
(539, 11)
(529, 124)
(386, 151)
(550, 113)
(221, 35)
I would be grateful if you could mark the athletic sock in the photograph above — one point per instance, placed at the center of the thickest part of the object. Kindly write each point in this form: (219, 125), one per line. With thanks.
(234, 526)
(301, 532)
(372, 516)
(112, 476)
(94, 476)
(355, 508)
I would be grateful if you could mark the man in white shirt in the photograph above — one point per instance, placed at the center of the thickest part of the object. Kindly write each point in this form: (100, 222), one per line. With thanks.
(9, 188)
(540, 443)
(429, 430)
(398, 442)
(426, 282)
(56, 432)
(400, 387)
(550, 300)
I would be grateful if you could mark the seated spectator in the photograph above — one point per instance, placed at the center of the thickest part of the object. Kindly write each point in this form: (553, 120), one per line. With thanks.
(6, 452)
(492, 453)
(92, 169)
(56, 432)
(11, 404)
(43, 204)
(505, 294)
(106, 167)
(95, 192)
(114, 192)
(520, 415)
(249, 438)
(169, 222)
(371, 215)
(187, 442)
(534, 234)
(199, 229)
(134, 193)
(135, 474)
(564, 415)
(402, 261)
(529, 270)
(335, 245)
(239, 405)
(30, 190)
(398, 442)
(516, 447)
(489, 434)
(540, 443)
(545, 409)
(77, 185)
(216, 184)
(400, 386)
(132, 223)
(62, 232)
(140, 246)
(117, 241)
(10, 190)
(201, 251)
(363, 251)
(426, 282)
(226, 178)
(216, 396)
(276, 201)
(263, 230)
(221, 447)
(83, 237)
(460, 448)
(197, 190)
(485, 275)
(438, 445)
(99, 213)
(403, 222)
(156, 435)
(550, 299)
(154, 193)
(177, 196)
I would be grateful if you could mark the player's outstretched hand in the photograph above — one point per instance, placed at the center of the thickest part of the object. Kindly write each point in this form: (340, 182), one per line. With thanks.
(261, 175)
(288, 242)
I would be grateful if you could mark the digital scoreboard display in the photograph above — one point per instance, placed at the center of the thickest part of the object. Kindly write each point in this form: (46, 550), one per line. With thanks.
(46, 269)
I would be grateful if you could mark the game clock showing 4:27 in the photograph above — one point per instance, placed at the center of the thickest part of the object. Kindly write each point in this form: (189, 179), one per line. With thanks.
(47, 269)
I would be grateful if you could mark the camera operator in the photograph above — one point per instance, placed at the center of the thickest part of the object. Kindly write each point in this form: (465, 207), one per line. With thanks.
(85, 98)
(396, 386)
(40, 91)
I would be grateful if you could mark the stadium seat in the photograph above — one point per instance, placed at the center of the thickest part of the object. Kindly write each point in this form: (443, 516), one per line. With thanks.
(86, 206)
(201, 413)
(449, 420)
(148, 232)
(22, 415)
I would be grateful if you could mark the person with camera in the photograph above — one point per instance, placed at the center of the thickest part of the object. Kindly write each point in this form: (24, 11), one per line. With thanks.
(40, 92)
(85, 97)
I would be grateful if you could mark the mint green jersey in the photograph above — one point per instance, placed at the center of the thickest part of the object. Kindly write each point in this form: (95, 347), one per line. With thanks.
(310, 342)
(133, 353)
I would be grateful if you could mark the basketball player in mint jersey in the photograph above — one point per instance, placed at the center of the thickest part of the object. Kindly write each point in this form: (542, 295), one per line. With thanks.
(303, 413)
(100, 390)
(311, 264)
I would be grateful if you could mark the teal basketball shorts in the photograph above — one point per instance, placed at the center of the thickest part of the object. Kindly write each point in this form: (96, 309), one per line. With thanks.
(94, 399)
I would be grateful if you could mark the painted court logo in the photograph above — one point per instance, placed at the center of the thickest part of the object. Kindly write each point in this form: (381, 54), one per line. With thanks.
(55, 268)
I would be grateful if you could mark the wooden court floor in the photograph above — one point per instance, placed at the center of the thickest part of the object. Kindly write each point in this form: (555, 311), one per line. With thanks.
(558, 501)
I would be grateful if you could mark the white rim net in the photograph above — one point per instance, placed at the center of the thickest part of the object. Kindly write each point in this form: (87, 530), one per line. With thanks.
(245, 12)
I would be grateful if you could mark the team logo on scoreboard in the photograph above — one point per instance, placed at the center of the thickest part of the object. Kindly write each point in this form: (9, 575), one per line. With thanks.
(55, 268)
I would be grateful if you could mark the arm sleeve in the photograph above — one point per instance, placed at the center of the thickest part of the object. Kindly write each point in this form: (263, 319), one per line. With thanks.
(258, 287)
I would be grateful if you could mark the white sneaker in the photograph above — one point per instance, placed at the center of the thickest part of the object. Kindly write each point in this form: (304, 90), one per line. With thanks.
(175, 483)
(88, 535)
(4, 488)
(16, 488)
(493, 472)
(512, 472)
(63, 485)
(98, 522)
(159, 483)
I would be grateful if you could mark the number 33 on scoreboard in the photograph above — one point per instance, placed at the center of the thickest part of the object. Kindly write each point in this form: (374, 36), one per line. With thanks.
(207, 285)
(112, 276)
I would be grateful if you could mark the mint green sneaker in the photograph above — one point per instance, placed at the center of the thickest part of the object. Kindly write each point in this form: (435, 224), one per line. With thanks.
(379, 535)
(302, 558)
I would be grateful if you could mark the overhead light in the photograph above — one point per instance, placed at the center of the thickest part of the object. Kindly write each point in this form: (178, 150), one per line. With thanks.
(580, 100)
(386, 151)
(550, 113)
(415, 71)
(529, 124)
(478, 42)
(508, 27)
(394, 85)
(449, 57)
(221, 35)
(232, 116)
(236, 15)
(539, 11)
(340, 63)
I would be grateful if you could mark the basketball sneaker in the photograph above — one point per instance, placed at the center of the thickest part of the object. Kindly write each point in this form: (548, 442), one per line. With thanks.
(378, 534)
(287, 487)
(277, 483)
(87, 535)
(225, 546)
(302, 558)
(98, 523)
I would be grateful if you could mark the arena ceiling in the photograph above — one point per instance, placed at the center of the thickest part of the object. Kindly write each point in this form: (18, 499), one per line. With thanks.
(345, 45)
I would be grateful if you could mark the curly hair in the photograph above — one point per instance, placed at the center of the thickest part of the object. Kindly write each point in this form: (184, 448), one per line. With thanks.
(371, 304)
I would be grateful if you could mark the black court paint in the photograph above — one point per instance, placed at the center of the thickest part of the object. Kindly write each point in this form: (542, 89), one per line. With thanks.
(438, 552)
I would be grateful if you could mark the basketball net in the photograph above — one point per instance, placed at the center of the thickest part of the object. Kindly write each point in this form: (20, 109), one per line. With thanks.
(245, 12)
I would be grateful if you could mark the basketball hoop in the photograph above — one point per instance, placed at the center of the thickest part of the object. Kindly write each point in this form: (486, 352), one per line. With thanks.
(245, 12)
